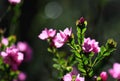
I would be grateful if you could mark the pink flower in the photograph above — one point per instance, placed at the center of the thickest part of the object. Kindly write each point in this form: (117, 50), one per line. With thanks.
(67, 77)
(25, 49)
(5, 41)
(90, 46)
(61, 38)
(104, 76)
(12, 57)
(21, 77)
(115, 71)
(78, 78)
(47, 34)
(14, 1)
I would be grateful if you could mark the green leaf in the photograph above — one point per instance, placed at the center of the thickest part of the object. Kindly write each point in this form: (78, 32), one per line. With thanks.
(111, 50)
(90, 73)
(78, 55)
(57, 66)
(79, 35)
(106, 54)
(79, 60)
(11, 39)
(98, 78)
(55, 60)
(83, 30)
(69, 68)
(91, 54)
(82, 70)
(49, 50)
(86, 62)
(102, 49)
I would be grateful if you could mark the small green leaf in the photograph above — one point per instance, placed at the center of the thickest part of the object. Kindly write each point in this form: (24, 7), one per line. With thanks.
(55, 60)
(57, 66)
(49, 50)
(90, 73)
(79, 60)
(102, 49)
(98, 78)
(69, 68)
(78, 55)
(91, 54)
(83, 30)
(86, 62)
(82, 70)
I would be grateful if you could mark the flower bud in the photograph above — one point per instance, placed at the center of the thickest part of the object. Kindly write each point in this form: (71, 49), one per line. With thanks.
(104, 76)
(81, 22)
(111, 43)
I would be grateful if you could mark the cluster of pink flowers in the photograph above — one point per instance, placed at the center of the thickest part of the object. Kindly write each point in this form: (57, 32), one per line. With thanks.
(15, 54)
(68, 77)
(90, 45)
(114, 72)
(59, 39)
(25, 49)
(13, 57)
(21, 46)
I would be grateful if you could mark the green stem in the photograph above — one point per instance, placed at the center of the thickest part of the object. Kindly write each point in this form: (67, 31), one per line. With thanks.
(14, 21)
(5, 13)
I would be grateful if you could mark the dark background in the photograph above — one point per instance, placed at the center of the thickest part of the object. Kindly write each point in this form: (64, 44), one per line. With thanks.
(103, 18)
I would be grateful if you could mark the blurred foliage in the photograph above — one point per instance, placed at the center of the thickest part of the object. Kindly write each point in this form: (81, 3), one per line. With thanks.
(102, 16)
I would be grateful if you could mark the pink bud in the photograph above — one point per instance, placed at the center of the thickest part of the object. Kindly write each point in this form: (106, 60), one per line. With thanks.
(104, 76)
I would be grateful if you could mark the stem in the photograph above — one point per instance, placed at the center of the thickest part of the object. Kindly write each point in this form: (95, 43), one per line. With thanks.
(14, 21)
(5, 13)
